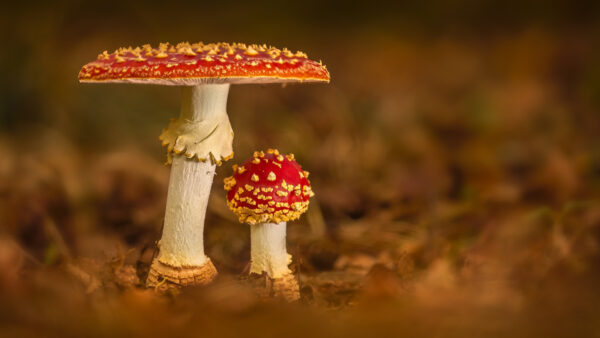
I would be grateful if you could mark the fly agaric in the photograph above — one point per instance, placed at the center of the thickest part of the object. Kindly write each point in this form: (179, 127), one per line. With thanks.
(266, 192)
(201, 137)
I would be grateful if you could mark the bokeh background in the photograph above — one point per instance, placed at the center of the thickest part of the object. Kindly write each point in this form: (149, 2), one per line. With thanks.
(455, 158)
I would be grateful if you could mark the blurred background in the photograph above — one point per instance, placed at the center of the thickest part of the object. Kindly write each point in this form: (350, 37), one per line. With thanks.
(455, 158)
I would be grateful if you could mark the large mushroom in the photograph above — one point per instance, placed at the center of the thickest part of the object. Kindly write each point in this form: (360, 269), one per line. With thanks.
(201, 137)
(266, 192)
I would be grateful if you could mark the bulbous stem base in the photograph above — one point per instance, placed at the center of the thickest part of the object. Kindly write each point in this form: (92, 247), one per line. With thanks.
(163, 277)
(285, 287)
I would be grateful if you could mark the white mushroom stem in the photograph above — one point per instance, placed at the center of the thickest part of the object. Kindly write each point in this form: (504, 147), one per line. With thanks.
(182, 242)
(268, 250)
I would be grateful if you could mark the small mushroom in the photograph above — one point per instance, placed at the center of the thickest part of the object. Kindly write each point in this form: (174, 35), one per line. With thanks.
(266, 192)
(201, 137)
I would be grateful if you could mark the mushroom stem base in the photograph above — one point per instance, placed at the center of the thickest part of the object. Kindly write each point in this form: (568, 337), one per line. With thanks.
(163, 277)
(285, 287)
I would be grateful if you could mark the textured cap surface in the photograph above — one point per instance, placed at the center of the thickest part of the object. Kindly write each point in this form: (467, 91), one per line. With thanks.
(188, 64)
(268, 188)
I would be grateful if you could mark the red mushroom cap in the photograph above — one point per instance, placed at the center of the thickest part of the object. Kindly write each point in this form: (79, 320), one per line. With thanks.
(188, 64)
(268, 188)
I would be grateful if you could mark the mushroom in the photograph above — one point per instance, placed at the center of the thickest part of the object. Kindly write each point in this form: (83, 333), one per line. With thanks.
(266, 192)
(201, 137)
